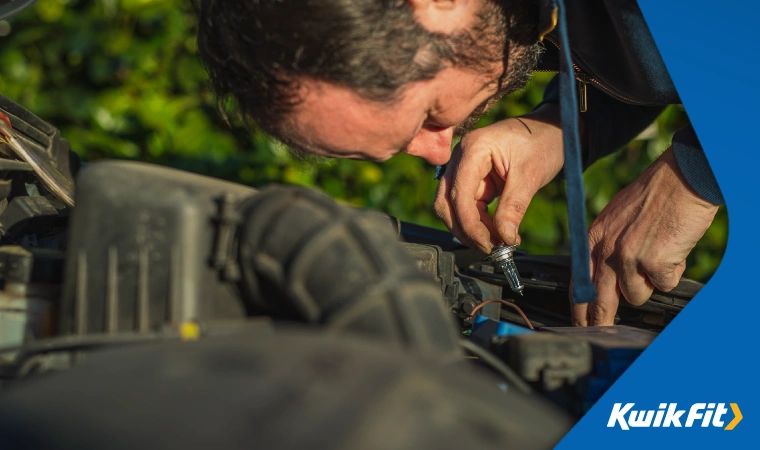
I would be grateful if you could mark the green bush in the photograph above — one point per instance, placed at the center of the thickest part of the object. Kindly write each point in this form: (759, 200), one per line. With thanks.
(122, 79)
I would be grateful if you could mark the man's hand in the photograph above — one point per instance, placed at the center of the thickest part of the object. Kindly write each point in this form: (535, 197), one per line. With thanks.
(641, 239)
(512, 159)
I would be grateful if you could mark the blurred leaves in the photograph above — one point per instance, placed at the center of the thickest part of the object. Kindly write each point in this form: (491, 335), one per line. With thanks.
(122, 79)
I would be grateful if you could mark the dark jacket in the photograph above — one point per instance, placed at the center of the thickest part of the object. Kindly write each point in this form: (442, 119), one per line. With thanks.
(626, 84)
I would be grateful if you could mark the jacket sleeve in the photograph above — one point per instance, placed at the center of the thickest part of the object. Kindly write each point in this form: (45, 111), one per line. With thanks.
(694, 167)
(611, 124)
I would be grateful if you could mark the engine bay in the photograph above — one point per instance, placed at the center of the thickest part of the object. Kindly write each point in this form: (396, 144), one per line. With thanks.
(151, 254)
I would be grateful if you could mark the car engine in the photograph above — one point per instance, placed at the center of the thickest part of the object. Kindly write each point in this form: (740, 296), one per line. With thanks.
(153, 254)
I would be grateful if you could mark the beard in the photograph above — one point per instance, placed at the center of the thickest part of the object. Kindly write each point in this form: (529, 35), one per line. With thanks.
(515, 78)
(506, 34)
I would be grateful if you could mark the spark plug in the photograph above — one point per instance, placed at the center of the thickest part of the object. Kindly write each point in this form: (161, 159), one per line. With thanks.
(501, 257)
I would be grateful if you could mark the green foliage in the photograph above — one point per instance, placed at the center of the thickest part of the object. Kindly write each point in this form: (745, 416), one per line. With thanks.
(122, 79)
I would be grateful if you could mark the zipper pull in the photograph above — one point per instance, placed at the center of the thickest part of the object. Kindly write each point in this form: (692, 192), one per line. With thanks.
(582, 92)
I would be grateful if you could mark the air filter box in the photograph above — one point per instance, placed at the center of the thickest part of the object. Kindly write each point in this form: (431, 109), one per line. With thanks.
(144, 249)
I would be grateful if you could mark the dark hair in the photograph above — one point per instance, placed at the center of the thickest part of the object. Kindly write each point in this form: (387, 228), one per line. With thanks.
(256, 51)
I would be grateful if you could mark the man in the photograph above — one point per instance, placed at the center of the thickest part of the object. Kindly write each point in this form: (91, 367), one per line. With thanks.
(369, 78)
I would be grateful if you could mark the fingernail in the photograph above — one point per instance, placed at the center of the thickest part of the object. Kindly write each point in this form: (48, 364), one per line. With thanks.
(510, 233)
(519, 239)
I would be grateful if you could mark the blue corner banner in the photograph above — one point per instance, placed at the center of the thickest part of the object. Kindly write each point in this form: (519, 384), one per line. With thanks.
(700, 376)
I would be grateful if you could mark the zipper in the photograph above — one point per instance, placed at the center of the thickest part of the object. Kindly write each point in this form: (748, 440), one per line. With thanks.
(583, 81)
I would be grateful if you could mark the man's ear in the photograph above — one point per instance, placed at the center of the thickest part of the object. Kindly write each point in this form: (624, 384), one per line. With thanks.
(445, 16)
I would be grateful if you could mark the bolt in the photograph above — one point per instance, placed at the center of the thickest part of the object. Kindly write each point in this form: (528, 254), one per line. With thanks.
(501, 257)
(467, 303)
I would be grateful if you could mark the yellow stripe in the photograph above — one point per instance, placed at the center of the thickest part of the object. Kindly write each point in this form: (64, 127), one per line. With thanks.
(737, 417)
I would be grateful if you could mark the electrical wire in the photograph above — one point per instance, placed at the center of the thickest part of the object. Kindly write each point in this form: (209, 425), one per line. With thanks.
(497, 365)
(512, 305)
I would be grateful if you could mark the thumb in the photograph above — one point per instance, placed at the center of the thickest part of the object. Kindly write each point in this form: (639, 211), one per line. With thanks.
(511, 209)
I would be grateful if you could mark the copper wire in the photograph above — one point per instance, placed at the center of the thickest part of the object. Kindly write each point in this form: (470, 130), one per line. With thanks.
(512, 305)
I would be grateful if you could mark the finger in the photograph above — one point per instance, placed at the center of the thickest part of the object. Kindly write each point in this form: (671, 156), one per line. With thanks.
(579, 314)
(471, 170)
(441, 205)
(486, 220)
(602, 310)
(633, 283)
(444, 210)
(666, 279)
(510, 211)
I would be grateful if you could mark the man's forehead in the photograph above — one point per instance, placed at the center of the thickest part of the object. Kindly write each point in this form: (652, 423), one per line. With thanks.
(329, 114)
(322, 95)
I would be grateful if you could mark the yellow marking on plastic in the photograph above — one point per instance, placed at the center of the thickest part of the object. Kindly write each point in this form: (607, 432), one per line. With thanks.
(189, 331)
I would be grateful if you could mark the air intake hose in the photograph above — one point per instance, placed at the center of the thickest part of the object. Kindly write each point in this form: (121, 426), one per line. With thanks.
(303, 257)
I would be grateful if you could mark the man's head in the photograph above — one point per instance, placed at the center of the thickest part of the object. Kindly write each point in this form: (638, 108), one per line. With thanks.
(368, 78)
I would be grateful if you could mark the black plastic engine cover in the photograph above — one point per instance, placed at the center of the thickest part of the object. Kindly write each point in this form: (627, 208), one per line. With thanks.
(142, 250)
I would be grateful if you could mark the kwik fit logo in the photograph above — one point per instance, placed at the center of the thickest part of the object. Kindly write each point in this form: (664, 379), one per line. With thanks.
(668, 415)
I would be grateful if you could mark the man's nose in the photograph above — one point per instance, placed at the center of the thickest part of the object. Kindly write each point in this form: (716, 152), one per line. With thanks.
(432, 145)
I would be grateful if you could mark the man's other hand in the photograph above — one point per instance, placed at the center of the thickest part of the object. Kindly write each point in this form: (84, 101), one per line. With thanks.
(641, 239)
